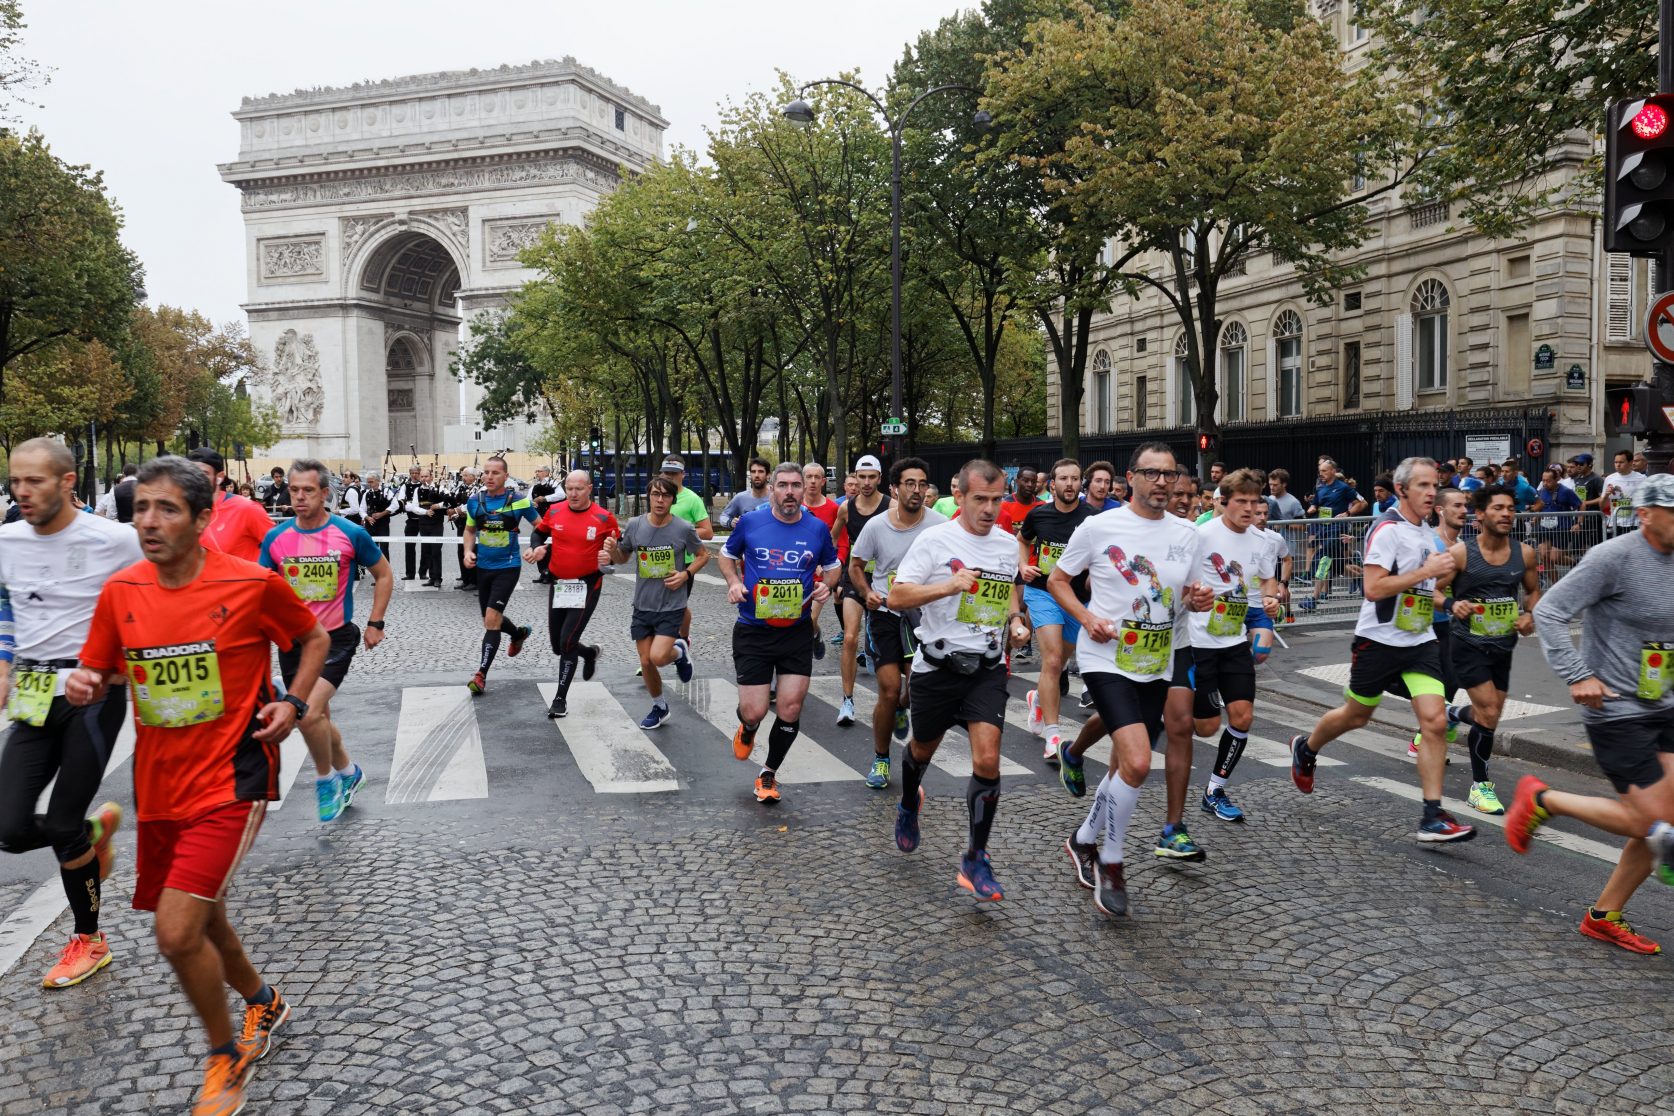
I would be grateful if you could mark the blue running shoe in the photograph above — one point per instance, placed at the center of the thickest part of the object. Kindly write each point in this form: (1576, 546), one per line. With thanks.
(878, 777)
(1444, 828)
(1216, 802)
(906, 825)
(1176, 844)
(351, 783)
(683, 664)
(901, 724)
(329, 794)
(976, 875)
(1070, 773)
(657, 718)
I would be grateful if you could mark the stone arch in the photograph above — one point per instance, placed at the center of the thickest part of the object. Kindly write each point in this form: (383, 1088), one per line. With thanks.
(408, 259)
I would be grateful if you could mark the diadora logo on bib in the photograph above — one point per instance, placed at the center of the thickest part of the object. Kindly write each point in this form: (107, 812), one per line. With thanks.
(790, 559)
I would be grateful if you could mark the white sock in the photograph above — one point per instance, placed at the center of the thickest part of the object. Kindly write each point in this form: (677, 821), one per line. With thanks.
(1052, 730)
(1088, 834)
(1660, 838)
(325, 778)
(1120, 801)
(1215, 783)
(346, 772)
(659, 702)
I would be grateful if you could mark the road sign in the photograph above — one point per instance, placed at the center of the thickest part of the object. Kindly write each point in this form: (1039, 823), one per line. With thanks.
(893, 427)
(1545, 359)
(1659, 327)
(1575, 379)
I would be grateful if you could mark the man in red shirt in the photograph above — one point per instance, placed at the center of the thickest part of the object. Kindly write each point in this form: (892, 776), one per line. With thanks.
(575, 531)
(240, 524)
(824, 508)
(192, 629)
(1016, 509)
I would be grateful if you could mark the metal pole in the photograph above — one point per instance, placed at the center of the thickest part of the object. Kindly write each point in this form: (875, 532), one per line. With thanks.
(1659, 447)
(895, 408)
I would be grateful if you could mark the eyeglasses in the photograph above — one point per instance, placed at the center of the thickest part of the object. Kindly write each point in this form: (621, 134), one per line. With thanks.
(1154, 475)
(912, 484)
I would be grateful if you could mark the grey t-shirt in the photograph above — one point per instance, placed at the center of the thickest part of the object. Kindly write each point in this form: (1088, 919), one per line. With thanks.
(882, 546)
(1284, 507)
(1620, 591)
(659, 551)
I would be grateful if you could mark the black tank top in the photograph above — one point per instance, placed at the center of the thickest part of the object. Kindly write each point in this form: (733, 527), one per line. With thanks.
(1495, 590)
(856, 521)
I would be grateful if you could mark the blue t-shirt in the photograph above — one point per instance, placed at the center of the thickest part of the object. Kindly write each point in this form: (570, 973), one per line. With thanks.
(1337, 496)
(1110, 503)
(779, 564)
(497, 520)
(1562, 500)
(1524, 494)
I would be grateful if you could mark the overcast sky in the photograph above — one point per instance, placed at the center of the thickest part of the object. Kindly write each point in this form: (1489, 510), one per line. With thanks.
(143, 91)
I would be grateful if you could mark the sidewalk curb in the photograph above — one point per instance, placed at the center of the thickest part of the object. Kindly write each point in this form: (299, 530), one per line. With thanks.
(1577, 757)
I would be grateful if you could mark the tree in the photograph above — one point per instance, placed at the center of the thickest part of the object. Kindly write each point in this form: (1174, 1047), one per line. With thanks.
(62, 390)
(16, 74)
(195, 364)
(64, 275)
(1203, 130)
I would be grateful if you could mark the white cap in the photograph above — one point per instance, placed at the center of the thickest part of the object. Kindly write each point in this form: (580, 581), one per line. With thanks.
(868, 462)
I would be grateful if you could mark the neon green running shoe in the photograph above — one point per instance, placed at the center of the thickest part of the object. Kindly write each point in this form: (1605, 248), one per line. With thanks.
(1483, 799)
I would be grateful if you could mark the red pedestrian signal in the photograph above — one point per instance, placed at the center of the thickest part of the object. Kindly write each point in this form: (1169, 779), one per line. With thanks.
(1650, 122)
(1627, 410)
(1205, 443)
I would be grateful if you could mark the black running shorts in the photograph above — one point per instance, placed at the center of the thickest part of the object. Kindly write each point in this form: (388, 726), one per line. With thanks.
(345, 641)
(889, 639)
(941, 698)
(760, 652)
(1121, 701)
(1476, 663)
(1228, 671)
(1628, 751)
(494, 588)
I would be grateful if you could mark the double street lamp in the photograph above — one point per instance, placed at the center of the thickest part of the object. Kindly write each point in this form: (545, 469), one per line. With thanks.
(800, 111)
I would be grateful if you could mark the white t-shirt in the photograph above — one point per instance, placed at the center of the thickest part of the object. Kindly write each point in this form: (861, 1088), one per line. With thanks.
(1137, 573)
(1618, 498)
(974, 621)
(1399, 546)
(1278, 547)
(1233, 564)
(53, 581)
(882, 545)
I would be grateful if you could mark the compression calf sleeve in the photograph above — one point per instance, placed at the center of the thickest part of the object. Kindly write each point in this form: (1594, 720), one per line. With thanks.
(1481, 742)
(982, 799)
(779, 740)
(490, 648)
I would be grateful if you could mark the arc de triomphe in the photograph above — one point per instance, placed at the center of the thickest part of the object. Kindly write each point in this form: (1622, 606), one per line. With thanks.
(381, 218)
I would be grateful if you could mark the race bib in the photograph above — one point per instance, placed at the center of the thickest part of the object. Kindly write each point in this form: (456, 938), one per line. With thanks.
(569, 594)
(1653, 670)
(987, 604)
(779, 598)
(32, 691)
(313, 579)
(1622, 514)
(1227, 617)
(1495, 616)
(495, 538)
(1415, 612)
(655, 562)
(176, 686)
(1325, 513)
(1143, 647)
(1047, 556)
(1549, 523)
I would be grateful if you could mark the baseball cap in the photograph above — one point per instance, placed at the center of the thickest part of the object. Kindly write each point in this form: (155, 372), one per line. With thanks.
(1656, 492)
(673, 465)
(1445, 467)
(203, 455)
(1583, 459)
(868, 462)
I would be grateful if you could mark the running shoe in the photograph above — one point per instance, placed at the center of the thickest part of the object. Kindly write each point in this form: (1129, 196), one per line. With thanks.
(1054, 740)
(1177, 844)
(819, 646)
(590, 661)
(560, 707)
(1483, 799)
(224, 1078)
(976, 875)
(1086, 861)
(1036, 723)
(1111, 894)
(1412, 747)
(1063, 683)
(1524, 817)
(328, 795)
(101, 827)
(860, 661)
(845, 712)
(906, 825)
(655, 719)
(1302, 764)
(1307, 604)
(1086, 699)
(1613, 928)
(683, 664)
(1073, 775)
(767, 787)
(901, 724)
(740, 749)
(515, 648)
(351, 783)
(260, 1021)
(1444, 828)
(837, 640)
(477, 684)
(85, 955)
(878, 777)
(1661, 841)
(1216, 802)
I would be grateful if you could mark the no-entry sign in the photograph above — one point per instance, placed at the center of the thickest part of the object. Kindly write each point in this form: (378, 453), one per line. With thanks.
(1659, 327)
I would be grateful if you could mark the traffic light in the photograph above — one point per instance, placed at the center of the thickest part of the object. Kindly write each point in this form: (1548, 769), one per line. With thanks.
(1639, 175)
(1205, 443)
(1627, 410)
(595, 439)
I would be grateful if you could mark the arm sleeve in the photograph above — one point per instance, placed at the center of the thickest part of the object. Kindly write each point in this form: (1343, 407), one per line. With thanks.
(1590, 582)
(8, 634)
(284, 617)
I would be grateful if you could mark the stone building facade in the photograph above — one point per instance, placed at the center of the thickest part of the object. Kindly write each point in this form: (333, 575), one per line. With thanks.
(382, 218)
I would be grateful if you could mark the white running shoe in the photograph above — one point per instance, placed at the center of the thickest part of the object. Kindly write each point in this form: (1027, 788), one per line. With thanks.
(1050, 753)
(1037, 723)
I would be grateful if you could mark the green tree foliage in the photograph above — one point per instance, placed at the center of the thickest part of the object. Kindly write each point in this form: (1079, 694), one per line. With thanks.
(16, 72)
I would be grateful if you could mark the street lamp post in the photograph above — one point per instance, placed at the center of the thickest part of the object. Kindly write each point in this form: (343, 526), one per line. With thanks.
(800, 111)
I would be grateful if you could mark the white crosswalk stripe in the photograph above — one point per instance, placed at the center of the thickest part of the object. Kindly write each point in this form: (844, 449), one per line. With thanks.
(438, 748)
(716, 701)
(293, 760)
(954, 755)
(609, 747)
(1583, 845)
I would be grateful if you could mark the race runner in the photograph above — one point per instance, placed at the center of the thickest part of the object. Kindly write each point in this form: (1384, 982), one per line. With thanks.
(316, 554)
(877, 554)
(53, 562)
(1450, 513)
(851, 519)
(690, 507)
(825, 510)
(193, 631)
(493, 519)
(1042, 534)
(1621, 678)
(240, 524)
(575, 529)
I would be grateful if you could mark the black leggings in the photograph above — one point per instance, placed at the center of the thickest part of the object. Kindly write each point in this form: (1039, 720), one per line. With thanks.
(566, 625)
(75, 745)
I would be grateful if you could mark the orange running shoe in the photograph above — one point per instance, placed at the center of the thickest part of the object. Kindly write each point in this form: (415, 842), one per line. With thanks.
(1524, 817)
(767, 788)
(260, 1021)
(85, 955)
(223, 1086)
(477, 684)
(104, 823)
(740, 750)
(1613, 928)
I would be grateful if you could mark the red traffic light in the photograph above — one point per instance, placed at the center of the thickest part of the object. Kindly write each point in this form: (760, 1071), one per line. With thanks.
(1205, 442)
(1649, 122)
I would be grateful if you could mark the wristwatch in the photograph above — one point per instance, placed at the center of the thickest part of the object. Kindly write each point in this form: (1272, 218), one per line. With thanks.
(296, 703)
(379, 624)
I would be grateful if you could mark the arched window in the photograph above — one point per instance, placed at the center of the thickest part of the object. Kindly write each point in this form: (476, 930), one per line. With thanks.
(1102, 403)
(1287, 356)
(1234, 362)
(1180, 375)
(1429, 334)
(401, 357)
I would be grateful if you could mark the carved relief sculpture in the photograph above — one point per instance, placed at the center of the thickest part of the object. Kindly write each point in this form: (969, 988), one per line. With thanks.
(293, 380)
(506, 241)
(286, 259)
(355, 230)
